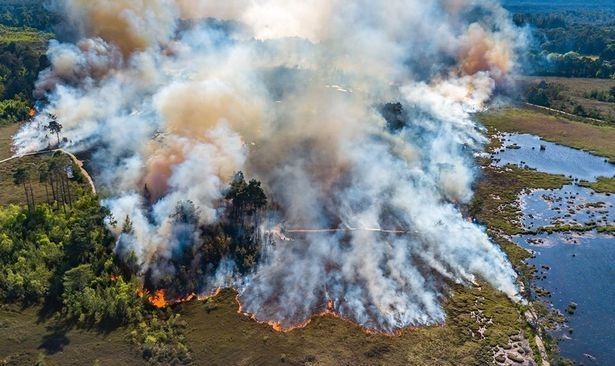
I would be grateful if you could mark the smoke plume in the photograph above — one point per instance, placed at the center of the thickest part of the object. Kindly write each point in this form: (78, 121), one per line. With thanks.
(172, 97)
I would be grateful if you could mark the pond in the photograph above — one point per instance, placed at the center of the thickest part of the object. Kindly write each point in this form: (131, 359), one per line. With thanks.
(570, 205)
(579, 267)
(530, 151)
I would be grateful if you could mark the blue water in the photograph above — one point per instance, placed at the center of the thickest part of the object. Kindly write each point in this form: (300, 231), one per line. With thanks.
(582, 266)
(555, 159)
(582, 270)
(572, 204)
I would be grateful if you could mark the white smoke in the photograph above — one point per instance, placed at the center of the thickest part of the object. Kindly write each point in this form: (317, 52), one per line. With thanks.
(178, 95)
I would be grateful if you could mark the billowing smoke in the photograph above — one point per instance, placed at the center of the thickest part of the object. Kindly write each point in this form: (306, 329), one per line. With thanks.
(172, 97)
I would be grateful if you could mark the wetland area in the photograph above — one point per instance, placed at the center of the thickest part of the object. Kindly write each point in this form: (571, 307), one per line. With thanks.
(569, 232)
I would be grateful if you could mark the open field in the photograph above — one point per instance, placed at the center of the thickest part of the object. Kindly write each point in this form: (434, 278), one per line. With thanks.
(13, 194)
(574, 91)
(597, 139)
(6, 133)
(218, 334)
(28, 338)
(574, 86)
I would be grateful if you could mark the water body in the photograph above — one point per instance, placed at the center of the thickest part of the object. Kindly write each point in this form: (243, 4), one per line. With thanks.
(582, 266)
(570, 205)
(582, 270)
(525, 150)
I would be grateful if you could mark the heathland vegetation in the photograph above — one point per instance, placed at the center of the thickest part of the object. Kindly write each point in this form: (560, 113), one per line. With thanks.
(593, 99)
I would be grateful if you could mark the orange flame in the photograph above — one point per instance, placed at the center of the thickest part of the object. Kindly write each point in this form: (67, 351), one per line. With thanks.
(158, 299)
(328, 311)
(32, 112)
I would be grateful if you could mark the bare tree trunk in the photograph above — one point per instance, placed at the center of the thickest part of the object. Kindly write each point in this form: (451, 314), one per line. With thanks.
(53, 190)
(60, 190)
(64, 200)
(25, 188)
(47, 192)
(70, 197)
(31, 194)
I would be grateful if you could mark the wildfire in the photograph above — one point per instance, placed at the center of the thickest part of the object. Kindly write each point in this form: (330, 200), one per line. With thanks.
(328, 311)
(158, 299)
(32, 112)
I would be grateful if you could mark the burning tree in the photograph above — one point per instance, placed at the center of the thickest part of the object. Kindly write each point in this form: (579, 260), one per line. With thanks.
(54, 127)
(201, 248)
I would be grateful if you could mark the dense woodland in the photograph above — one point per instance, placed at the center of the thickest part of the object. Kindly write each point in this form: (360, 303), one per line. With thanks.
(36, 14)
(570, 43)
(24, 32)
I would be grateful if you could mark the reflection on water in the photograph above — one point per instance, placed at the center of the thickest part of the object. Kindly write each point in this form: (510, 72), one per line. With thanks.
(525, 150)
(583, 273)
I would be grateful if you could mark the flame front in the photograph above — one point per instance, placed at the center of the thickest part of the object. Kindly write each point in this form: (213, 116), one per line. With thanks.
(158, 299)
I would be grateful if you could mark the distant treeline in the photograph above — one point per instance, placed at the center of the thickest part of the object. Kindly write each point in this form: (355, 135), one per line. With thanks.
(571, 43)
(551, 6)
(32, 14)
(24, 31)
(20, 64)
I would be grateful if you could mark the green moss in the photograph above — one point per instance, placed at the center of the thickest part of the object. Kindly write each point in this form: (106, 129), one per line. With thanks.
(601, 185)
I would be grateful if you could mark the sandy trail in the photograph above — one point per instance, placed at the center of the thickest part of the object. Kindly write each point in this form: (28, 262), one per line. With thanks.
(77, 162)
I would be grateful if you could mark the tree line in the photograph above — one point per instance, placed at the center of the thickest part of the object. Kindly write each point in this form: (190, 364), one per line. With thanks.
(570, 44)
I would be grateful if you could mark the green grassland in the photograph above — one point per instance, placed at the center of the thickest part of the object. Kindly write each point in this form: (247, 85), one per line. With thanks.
(29, 337)
(573, 92)
(602, 185)
(597, 139)
(6, 134)
(218, 335)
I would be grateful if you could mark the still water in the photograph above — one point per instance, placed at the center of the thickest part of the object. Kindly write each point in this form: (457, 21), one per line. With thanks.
(525, 150)
(582, 270)
(581, 266)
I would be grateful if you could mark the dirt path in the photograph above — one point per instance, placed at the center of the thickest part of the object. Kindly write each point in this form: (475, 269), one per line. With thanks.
(77, 162)
(564, 113)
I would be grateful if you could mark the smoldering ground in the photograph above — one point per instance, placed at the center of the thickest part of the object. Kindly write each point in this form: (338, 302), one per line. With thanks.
(177, 96)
